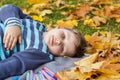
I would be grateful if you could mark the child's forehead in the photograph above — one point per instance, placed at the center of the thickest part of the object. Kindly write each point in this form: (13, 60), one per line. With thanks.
(70, 43)
(68, 31)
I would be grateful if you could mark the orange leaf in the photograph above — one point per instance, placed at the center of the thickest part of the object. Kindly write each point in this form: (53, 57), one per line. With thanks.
(81, 10)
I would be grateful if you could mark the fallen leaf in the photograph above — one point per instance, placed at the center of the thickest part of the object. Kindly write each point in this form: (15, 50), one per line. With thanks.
(81, 10)
(98, 20)
(44, 12)
(36, 1)
(87, 61)
(37, 17)
(67, 24)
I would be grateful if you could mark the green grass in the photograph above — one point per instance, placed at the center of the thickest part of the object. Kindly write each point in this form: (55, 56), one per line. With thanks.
(110, 26)
(20, 3)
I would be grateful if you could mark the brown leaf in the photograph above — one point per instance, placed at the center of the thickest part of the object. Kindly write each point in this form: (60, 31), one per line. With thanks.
(81, 10)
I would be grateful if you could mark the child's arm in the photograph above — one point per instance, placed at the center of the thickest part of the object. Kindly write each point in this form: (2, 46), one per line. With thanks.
(21, 62)
(10, 15)
(10, 11)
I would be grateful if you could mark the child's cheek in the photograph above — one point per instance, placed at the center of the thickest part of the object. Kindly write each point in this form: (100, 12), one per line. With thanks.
(58, 50)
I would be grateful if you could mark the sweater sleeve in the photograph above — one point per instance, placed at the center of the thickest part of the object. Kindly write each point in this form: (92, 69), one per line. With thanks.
(10, 15)
(22, 61)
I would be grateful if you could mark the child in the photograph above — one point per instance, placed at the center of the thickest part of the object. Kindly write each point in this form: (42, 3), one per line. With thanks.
(37, 46)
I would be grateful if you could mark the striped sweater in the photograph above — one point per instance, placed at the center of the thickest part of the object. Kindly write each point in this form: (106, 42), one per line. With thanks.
(31, 53)
(31, 36)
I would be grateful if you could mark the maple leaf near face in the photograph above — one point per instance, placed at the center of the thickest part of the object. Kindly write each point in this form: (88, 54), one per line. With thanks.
(87, 61)
(92, 39)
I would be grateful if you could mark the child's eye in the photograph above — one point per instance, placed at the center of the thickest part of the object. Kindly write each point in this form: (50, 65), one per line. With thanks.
(63, 36)
(62, 48)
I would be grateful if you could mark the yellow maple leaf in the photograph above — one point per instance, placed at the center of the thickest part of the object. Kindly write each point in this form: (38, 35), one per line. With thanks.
(89, 22)
(67, 24)
(39, 17)
(92, 39)
(87, 61)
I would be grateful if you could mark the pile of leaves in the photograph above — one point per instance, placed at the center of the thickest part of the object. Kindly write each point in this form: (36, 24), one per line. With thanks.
(83, 15)
(102, 64)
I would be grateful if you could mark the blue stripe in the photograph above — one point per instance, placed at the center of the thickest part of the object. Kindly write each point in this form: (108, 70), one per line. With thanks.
(22, 45)
(24, 33)
(37, 25)
(44, 48)
(2, 52)
(41, 27)
(50, 75)
(36, 32)
(28, 38)
(40, 41)
(44, 29)
(6, 53)
(32, 26)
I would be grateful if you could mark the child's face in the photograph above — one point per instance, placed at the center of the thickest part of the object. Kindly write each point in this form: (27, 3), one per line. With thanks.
(61, 42)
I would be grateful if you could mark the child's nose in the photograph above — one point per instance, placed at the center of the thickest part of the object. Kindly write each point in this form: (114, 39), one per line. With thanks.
(58, 42)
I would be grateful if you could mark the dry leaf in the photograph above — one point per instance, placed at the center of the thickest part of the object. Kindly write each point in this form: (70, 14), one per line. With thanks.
(89, 22)
(36, 1)
(67, 24)
(39, 17)
(59, 2)
(44, 12)
(98, 20)
(87, 61)
(81, 10)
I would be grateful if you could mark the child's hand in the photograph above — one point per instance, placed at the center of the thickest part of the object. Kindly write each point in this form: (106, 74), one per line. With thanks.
(11, 36)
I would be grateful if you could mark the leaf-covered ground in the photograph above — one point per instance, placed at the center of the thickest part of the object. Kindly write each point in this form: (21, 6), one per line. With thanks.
(86, 16)
(102, 64)
(98, 20)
